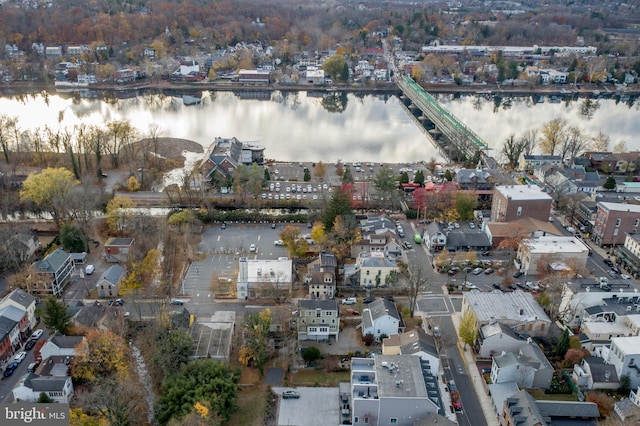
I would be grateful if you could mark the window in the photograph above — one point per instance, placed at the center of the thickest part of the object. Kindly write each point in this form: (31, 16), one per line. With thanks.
(356, 419)
(636, 223)
(615, 232)
(393, 421)
(618, 222)
(368, 272)
(519, 212)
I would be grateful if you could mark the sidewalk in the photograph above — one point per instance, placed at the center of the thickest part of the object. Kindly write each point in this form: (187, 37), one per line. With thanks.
(476, 378)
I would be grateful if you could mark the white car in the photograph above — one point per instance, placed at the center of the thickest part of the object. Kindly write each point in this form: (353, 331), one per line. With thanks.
(278, 243)
(470, 285)
(625, 277)
(252, 248)
(349, 301)
(37, 334)
(20, 356)
(90, 269)
(477, 271)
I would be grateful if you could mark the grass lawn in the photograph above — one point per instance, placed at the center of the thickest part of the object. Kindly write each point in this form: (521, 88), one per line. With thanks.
(539, 394)
(311, 377)
(252, 402)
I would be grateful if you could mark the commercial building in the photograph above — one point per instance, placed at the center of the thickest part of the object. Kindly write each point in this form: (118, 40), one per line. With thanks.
(614, 221)
(561, 254)
(264, 278)
(511, 202)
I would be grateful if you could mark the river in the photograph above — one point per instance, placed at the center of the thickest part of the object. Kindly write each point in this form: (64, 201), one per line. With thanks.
(307, 126)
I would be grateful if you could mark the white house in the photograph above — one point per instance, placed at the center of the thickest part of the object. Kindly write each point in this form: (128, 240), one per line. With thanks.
(624, 355)
(321, 276)
(495, 338)
(528, 367)
(21, 300)
(60, 345)
(593, 373)
(381, 317)
(59, 389)
(375, 269)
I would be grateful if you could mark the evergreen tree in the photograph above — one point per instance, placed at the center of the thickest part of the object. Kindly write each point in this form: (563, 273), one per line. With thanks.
(307, 175)
(267, 175)
(339, 205)
(56, 317)
(72, 239)
(404, 178)
(347, 177)
(610, 183)
(419, 178)
(563, 345)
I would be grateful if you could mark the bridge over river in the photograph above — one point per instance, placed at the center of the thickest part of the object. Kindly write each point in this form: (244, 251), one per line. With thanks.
(455, 140)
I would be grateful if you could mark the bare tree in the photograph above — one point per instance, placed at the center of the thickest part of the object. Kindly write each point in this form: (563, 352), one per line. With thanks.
(600, 142)
(573, 142)
(417, 280)
(529, 140)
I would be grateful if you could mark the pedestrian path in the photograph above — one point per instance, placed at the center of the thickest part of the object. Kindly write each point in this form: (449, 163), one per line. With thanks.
(476, 378)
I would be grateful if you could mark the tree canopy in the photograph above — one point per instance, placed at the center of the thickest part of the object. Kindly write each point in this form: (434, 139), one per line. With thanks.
(72, 239)
(102, 354)
(201, 381)
(333, 66)
(50, 190)
(56, 317)
(339, 204)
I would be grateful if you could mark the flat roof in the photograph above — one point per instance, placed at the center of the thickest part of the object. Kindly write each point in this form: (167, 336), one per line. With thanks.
(496, 306)
(260, 270)
(556, 244)
(523, 192)
(628, 345)
(404, 379)
(620, 207)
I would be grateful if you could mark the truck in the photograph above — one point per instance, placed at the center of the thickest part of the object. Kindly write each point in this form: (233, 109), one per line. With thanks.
(455, 396)
(604, 283)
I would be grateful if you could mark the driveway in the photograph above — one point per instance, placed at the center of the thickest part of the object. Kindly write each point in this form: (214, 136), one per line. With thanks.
(315, 407)
(349, 340)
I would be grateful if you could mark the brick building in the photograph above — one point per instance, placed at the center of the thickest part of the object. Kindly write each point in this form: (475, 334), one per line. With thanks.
(614, 221)
(512, 202)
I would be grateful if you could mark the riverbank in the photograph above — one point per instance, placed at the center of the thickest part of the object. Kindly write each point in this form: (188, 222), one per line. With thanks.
(170, 87)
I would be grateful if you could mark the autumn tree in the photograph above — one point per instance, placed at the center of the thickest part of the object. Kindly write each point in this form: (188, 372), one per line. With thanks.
(386, 184)
(604, 402)
(292, 240)
(117, 400)
(553, 134)
(468, 331)
(620, 147)
(256, 346)
(56, 316)
(118, 213)
(204, 381)
(102, 354)
(142, 274)
(320, 171)
(7, 125)
(333, 66)
(50, 190)
(575, 356)
(247, 180)
(466, 203)
(344, 234)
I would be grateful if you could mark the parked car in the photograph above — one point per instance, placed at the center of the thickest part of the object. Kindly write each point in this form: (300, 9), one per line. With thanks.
(518, 274)
(612, 273)
(608, 262)
(20, 356)
(349, 301)
(8, 371)
(289, 394)
(389, 298)
(177, 302)
(625, 276)
(29, 345)
(497, 286)
(90, 269)
(278, 243)
(273, 225)
(489, 271)
(407, 245)
(486, 253)
(477, 271)
(252, 248)
(37, 334)
(369, 299)
(453, 270)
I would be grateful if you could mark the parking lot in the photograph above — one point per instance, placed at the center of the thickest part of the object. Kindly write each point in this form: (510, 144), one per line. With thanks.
(313, 408)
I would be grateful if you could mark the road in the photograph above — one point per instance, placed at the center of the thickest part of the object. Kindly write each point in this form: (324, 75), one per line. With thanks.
(8, 383)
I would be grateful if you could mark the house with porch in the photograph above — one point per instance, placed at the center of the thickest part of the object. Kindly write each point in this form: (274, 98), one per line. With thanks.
(318, 319)
(54, 272)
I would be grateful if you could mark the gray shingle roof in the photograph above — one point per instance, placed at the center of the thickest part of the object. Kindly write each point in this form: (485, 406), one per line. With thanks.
(381, 307)
(113, 274)
(325, 305)
(53, 261)
(22, 297)
(496, 305)
(48, 383)
(62, 341)
(568, 409)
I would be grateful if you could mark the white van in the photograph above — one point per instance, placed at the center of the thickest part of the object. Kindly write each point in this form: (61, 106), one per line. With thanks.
(90, 269)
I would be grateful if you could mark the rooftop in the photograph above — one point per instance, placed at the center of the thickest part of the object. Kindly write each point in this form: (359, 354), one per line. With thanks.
(496, 306)
(620, 207)
(555, 244)
(53, 262)
(523, 192)
(21, 297)
(325, 305)
(264, 270)
(627, 345)
(119, 242)
(399, 376)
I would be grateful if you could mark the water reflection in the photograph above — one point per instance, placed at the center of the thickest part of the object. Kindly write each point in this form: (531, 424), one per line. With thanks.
(308, 126)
